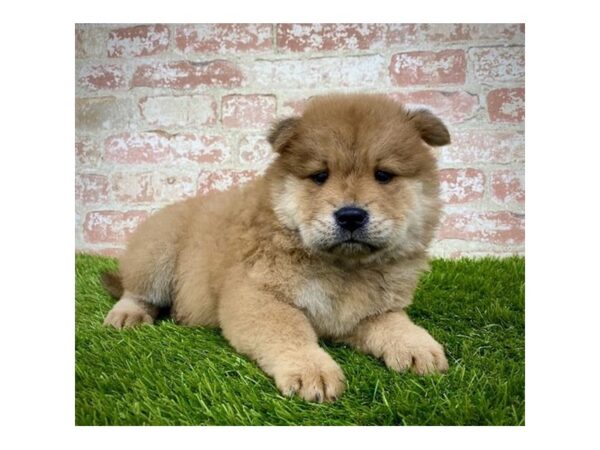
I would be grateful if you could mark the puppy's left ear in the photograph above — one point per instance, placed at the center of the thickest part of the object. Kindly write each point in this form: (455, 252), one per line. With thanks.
(282, 133)
(430, 127)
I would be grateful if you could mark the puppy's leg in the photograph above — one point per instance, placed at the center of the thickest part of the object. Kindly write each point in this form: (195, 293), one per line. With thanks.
(130, 311)
(402, 344)
(281, 340)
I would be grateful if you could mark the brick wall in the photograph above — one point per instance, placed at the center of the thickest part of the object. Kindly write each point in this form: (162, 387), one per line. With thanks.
(165, 111)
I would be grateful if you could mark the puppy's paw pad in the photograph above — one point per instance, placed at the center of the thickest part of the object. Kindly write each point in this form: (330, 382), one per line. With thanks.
(417, 352)
(127, 318)
(313, 382)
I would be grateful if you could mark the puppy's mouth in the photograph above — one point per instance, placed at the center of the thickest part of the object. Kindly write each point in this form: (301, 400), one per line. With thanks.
(353, 243)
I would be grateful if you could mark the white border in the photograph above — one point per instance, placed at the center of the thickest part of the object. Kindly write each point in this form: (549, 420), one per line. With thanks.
(38, 205)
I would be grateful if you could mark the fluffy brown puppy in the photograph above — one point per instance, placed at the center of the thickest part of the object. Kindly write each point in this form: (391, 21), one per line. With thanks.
(329, 243)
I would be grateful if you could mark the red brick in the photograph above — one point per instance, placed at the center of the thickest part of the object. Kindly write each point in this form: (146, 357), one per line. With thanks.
(201, 148)
(255, 149)
(159, 147)
(141, 40)
(419, 34)
(452, 107)
(507, 186)
(484, 146)
(146, 187)
(461, 185)
(90, 41)
(111, 226)
(444, 67)
(221, 180)
(87, 154)
(106, 76)
(358, 72)
(91, 188)
(506, 105)
(169, 188)
(181, 111)
(104, 113)
(497, 227)
(224, 37)
(495, 64)
(132, 187)
(330, 36)
(248, 111)
(187, 75)
(133, 148)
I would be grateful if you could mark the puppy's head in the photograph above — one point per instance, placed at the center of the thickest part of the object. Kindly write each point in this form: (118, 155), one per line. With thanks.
(355, 176)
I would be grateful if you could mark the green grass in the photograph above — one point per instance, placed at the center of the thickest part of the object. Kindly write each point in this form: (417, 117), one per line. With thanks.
(171, 375)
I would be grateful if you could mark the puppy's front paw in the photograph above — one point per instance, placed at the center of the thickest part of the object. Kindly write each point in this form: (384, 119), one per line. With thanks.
(314, 377)
(126, 313)
(416, 350)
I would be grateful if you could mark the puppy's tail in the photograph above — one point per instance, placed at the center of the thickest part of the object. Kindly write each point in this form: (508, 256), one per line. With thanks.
(112, 283)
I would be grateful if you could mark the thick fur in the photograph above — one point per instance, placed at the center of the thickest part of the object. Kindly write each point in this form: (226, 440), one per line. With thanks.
(267, 263)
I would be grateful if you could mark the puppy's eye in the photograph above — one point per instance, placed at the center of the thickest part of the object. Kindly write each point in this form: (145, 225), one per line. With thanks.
(383, 177)
(320, 177)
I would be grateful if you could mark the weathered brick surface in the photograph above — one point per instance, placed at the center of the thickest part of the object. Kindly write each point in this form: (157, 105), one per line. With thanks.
(163, 148)
(484, 146)
(223, 179)
(330, 36)
(99, 114)
(130, 187)
(248, 111)
(506, 105)
(87, 154)
(165, 111)
(103, 76)
(180, 111)
(507, 186)
(489, 227)
(451, 106)
(446, 33)
(495, 64)
(187, 75)
(91, 41)
(254, 149)
(133, 148)
(91, 188)
(444, 67)
(151, 187)
(141, 40)
(357, 72)
(201, 148)
(111, 226)
(461, 185)
(224, 38)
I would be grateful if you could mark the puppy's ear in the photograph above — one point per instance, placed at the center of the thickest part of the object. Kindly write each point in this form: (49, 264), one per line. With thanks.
(430, 127)
(282, 133)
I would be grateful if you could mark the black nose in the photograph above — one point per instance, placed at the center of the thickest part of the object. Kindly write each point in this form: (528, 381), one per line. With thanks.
(350, 218)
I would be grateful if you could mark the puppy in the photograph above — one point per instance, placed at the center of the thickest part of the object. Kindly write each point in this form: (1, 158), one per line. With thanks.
(329, 243)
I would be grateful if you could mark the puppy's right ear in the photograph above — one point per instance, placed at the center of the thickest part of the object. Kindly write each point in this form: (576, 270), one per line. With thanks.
(282, 133)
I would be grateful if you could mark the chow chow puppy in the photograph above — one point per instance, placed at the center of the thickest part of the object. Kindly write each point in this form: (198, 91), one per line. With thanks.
(329, 243)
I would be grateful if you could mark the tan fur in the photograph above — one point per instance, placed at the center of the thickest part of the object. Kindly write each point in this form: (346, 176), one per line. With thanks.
(130, 311)
(264, 262)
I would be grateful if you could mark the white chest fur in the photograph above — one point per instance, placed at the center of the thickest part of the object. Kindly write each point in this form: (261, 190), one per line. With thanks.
(315, 301)
(331, 312)
(336, 304)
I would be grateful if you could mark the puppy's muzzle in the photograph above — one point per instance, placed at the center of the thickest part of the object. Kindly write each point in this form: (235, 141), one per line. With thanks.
(351, 218)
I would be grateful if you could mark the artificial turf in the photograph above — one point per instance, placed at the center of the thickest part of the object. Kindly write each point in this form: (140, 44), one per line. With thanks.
(171, 375)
